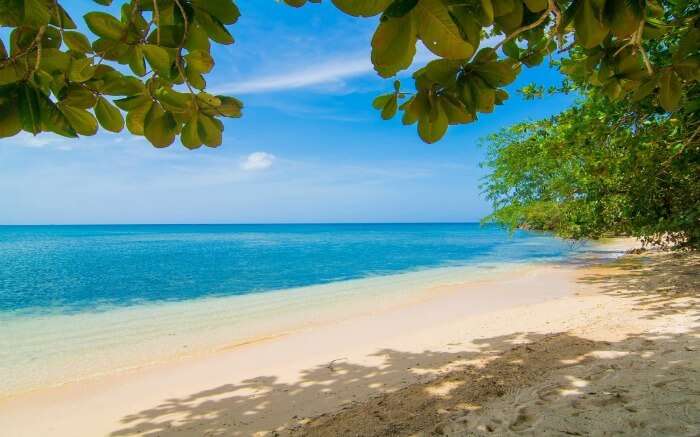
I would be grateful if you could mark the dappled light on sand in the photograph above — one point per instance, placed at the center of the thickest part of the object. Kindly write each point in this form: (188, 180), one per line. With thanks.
(645, 383)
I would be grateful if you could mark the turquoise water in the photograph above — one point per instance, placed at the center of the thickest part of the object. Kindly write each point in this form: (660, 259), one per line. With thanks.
(69, 269)
(81, 302)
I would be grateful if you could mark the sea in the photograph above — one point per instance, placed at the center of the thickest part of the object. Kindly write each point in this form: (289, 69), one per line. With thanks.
(81, 301)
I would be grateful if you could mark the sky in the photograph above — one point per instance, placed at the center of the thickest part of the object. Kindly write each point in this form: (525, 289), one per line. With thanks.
(309, 148)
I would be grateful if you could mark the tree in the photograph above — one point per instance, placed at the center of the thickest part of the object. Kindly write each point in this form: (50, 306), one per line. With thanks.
(53, 75)
(604, 43)
(57, 74)
(615, 163)
(600, 168)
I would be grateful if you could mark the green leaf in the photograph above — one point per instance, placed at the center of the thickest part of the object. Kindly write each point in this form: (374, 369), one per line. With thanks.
(230, 106)
(170, 35)
(158, 58)
(52, 119)
(468, 24)
(173, 100)
(81, 120)
(81, 70)
(502, 7)
(621, 18)
(136, 118)
(590, 32)
(200, 60)
(160, 126)
(439, 32)
(104, 25)
(28, 106)
(364, 8)
(77, 41)
(511, 49)
(190, 135)
(132, 102)
(496, 74)
(11, 73)
(209, 130)
(414, 108)
(440, 71)
(78, 96)
(137, 62)
(536, 5)
(399, 8)
(36, 13)
(109, 116)
(208, 100)
(225, 10)
(644, 89)
(486, 13)
(456, 112)
(612, 89)
(394, 45)
(433, 125)
(512, 20)
(117, 85)
(380, 101)
(195, 78)
(60, 18)
(10, 123)
(213, 27)
(104, 2)
(390, 107)
(197, 38)
(669, 90)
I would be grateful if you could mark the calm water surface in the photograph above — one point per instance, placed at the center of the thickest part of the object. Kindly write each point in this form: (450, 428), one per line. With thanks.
(50, 269)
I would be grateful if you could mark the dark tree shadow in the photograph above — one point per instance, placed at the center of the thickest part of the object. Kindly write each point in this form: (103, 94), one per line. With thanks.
(430, 392)
(661, 284)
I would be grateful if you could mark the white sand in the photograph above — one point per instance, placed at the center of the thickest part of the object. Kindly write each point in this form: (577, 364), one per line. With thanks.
(280, 382)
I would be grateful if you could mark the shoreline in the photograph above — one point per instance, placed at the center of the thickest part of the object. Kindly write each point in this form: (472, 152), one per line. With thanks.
(174, 331)
(440, 317)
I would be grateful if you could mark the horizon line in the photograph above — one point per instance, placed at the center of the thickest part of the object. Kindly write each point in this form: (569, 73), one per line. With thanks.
(251, 223)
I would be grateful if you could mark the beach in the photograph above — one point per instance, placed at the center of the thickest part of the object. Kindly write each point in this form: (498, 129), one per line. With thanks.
(423, 356)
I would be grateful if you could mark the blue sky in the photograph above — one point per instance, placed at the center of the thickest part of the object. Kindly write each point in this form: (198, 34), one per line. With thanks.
(309, 148)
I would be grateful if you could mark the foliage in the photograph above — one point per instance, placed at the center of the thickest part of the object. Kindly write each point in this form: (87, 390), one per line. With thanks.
(599, 168)
(57, 74)
(606, 44)
(53, 75)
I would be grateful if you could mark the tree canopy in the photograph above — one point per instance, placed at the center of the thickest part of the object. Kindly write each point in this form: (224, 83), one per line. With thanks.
(150, 61)
(600, 168)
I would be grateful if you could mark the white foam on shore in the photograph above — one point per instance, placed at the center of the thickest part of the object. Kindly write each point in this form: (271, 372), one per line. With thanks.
(47, 350)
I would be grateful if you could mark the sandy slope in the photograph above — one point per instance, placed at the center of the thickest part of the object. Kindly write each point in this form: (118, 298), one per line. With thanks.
(598, 338)
(631, 367)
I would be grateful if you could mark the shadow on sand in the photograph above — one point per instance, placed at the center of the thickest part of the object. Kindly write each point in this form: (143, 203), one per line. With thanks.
(453, 389)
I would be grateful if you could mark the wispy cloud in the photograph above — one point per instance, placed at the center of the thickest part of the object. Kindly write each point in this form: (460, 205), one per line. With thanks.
(333, 71)
(258, 161)
(328, 72)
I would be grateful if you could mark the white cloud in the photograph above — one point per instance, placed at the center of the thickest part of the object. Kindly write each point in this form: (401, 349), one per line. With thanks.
(257, 161)
(324, 73)
(329, 72)
(332, 71)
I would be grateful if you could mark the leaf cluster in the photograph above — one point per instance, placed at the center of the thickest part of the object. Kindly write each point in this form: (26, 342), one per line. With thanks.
(149, 62)
(602, 43)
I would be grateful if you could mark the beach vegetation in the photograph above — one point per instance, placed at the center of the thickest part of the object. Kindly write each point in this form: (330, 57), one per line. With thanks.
(600, 168)
(143, 69)
(615, 163)
(149, 62)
